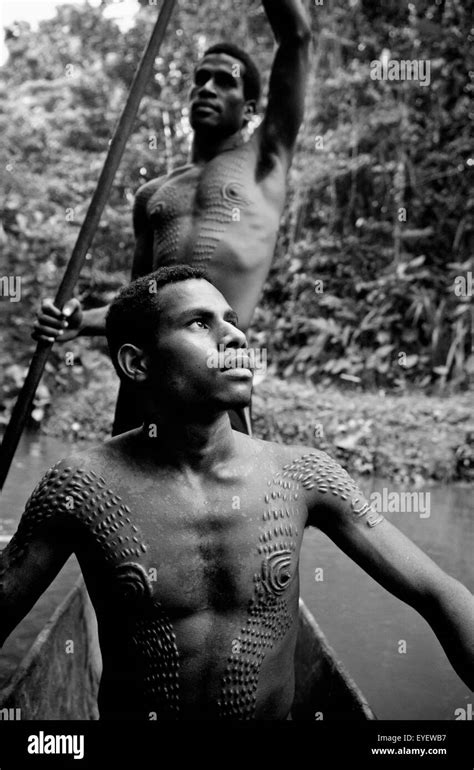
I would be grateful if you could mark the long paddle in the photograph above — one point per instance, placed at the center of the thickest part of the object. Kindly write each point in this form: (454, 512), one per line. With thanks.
(22, 407)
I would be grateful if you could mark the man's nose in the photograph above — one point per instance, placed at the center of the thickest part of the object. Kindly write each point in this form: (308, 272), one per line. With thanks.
(232, 337)
(209, 87)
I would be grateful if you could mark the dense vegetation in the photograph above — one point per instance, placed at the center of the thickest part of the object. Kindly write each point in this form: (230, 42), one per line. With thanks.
(379, 220)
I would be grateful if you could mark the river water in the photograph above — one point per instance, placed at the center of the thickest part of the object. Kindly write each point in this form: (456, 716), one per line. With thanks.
(386, 646)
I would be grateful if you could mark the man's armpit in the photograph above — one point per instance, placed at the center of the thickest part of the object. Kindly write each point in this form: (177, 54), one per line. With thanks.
(330, 490)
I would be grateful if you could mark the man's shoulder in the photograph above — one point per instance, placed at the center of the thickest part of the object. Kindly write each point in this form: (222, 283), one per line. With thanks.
(295, 458)
(88, 458)
(147, 190)
(282, 454)
(77, 471)
(313, 462)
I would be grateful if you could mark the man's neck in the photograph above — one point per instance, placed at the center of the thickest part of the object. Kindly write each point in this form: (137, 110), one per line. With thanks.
(205, 147)
(198, 445)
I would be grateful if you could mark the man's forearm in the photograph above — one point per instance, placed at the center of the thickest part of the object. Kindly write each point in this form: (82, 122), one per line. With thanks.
(452, 619)
(288, 18)
(93, 322)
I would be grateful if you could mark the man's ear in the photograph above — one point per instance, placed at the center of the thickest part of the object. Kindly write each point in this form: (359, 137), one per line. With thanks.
(250, 110)
(133, 362)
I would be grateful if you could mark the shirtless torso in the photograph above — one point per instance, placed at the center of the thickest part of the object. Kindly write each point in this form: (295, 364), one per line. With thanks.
(194, 578)
(194, 581)
(223, 216)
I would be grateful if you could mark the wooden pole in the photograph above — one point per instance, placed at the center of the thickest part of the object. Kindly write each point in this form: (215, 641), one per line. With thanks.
(142, 76)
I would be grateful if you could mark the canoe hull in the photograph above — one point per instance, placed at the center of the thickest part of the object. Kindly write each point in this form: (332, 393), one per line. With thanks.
(324, 690)
(52, 683)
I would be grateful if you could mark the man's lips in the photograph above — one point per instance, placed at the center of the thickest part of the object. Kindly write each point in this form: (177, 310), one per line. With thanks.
(236, 360)
(237, 374)
(200, 105)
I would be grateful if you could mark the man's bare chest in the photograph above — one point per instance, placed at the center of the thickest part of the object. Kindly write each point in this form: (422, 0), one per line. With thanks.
(197, 191)
(193, 551)
(197, 210)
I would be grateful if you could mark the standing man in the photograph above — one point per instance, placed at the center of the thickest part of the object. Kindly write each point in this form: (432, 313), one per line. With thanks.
(222, 210)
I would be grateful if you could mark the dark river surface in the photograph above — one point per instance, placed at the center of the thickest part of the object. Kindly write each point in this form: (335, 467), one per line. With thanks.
(365, 624)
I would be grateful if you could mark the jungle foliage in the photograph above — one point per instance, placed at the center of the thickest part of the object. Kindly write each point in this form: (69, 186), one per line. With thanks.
(379, 219)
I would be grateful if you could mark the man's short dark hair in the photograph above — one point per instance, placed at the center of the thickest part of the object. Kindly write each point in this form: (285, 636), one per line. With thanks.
(133, 315)
(251, 75)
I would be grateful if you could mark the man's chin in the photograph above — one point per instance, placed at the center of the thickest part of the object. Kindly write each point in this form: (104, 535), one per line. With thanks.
(204, 120)
(238, 398)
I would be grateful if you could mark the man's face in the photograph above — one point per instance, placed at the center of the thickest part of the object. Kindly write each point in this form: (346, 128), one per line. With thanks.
(195, 323)
(217, 101)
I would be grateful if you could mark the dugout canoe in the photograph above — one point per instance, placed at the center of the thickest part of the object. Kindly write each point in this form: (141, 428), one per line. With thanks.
(38, 689)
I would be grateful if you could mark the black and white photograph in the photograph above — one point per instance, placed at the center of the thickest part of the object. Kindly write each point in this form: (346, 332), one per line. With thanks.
(236, 374)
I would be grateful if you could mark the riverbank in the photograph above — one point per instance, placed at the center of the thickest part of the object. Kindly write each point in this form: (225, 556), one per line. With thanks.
(407, 438)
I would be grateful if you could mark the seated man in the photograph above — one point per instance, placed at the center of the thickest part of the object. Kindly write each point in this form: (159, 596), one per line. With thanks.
(188, 533)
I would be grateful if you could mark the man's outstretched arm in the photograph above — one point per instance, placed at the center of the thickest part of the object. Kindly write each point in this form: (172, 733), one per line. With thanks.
(36, 553)
(338, 508)
(285, 108)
